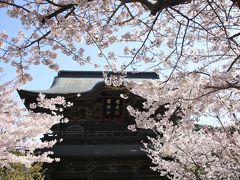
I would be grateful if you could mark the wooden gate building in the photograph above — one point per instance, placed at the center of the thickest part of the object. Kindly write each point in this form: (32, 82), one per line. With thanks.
(96, 142)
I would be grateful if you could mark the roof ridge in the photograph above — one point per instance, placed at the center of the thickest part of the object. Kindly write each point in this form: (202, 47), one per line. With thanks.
(99, 74)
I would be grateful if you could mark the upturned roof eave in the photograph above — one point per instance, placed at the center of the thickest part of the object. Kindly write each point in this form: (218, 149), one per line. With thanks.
(35, 93)
(86, 83)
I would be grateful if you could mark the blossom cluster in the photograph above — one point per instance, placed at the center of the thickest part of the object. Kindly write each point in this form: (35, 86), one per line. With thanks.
(183, 147)
(195, 56)
(21, 129)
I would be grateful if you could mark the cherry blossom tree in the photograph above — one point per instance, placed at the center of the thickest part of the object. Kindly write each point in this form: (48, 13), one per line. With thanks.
(20, 129)
(182, 149)
(193, 45)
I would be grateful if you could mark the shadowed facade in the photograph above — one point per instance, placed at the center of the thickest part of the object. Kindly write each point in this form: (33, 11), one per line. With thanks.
(96, 142)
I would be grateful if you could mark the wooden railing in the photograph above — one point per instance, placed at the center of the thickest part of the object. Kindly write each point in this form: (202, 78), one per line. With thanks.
(95, 133)
(98, 137)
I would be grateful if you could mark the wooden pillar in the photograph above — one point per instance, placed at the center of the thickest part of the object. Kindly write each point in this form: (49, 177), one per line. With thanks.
(90, 176)
(135, 175)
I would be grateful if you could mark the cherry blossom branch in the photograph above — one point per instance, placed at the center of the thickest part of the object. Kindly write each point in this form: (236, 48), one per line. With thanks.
(223, 26)
(14, 5)
(59, 11)
(143, 44)
(38, 40)
(55, 4)
(190, 19)
(233, 62)
(223, 87)
(115, 11)
(235, 35)
(159, 5)
(97, 45)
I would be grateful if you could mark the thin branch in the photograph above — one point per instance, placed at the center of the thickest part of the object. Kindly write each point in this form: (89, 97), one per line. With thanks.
(235, 35)
(15, 5)
(143, 44)
(112, 15)
(55, 4)
(234, 61)
(37, 40)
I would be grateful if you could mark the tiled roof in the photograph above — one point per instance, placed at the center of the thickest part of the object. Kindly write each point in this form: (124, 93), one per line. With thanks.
(71, 82)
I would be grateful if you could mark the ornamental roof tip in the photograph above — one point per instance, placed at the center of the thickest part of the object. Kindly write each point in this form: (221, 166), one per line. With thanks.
(99, 74)
(75, 82)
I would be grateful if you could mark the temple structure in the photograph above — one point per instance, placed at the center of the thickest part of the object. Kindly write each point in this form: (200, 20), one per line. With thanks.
(96, 142)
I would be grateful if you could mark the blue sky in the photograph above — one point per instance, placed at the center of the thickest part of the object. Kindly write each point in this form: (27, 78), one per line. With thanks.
(42, 75)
